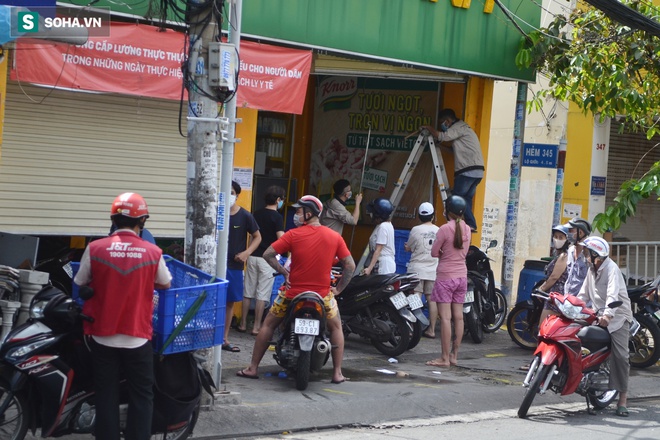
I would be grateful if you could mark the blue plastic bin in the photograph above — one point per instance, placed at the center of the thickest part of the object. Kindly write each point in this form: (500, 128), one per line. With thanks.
(533, 271)
(206, 329)
(401, 256)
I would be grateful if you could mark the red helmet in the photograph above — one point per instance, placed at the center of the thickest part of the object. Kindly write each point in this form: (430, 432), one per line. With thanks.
(130, 205)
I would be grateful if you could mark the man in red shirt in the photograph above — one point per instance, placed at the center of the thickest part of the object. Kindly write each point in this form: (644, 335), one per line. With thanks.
(313, 250)
(123, 269)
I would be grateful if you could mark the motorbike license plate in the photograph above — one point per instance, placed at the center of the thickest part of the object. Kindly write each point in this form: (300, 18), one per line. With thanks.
(399, 300)
(68, 269)
(469, 296)
(415, 302)
(307, 326)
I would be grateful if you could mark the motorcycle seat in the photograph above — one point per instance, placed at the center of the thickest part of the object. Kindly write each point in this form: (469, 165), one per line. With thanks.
(637, 291)
(594, 337)
(372, 281)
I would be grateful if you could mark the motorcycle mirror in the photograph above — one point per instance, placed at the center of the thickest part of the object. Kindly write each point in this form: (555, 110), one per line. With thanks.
(492, 244)
(85, 292)
(614, 304)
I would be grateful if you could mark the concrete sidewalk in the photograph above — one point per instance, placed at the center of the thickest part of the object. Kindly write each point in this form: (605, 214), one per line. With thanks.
(488, 375)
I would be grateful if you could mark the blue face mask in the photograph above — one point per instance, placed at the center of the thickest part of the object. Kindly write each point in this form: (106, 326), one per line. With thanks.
(280, 204)
(444, 126)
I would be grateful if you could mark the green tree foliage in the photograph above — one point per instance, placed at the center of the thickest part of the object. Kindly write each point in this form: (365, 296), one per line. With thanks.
(609, 70)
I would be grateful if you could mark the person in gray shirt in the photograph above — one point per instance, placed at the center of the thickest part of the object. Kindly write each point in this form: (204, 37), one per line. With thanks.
(335, 215)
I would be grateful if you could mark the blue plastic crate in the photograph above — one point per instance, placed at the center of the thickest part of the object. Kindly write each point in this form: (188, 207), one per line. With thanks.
(402, 256)
(206, 329)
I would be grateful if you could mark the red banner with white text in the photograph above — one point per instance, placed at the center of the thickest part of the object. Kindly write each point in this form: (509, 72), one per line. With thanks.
(146, 61)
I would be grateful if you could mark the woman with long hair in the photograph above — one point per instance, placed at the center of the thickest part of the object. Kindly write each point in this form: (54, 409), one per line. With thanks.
(450, 247)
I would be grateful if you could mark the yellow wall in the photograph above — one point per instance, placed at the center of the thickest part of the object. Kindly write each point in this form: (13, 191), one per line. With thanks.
(244, 151)
(577, 171)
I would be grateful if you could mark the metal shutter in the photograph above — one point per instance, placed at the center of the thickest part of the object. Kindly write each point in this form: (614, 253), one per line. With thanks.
(626, 150)
(64, 159)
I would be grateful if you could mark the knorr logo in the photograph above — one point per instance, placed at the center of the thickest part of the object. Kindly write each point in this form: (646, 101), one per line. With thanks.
(336, 92)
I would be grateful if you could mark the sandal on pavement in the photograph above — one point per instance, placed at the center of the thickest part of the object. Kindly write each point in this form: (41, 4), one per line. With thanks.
(622, 411)
(232, 348)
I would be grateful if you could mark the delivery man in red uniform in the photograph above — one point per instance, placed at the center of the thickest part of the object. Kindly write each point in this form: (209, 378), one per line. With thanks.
(123, 269)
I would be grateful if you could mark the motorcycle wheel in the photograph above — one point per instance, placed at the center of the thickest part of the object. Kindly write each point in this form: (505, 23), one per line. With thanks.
(473, 325)
(534, 387)
(602, 399)
(15, 421)
(183, 433)
(302, 370)
(416, 334)
(644, 350)
(399, 330)
(501, 307)
(521, 331)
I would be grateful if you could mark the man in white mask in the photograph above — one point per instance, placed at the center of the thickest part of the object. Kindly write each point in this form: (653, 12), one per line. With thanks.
(241, 223)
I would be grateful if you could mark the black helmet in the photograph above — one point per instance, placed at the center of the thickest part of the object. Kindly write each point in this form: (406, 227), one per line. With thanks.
(456, 205)
(380, 208)
(581, 224)
(311, 203)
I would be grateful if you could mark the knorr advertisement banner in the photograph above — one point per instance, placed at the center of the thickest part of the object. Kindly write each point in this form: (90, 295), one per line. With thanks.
(349, 111)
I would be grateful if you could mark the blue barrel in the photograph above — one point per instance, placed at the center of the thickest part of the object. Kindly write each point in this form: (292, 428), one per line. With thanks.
(533, 272)
(401, 256)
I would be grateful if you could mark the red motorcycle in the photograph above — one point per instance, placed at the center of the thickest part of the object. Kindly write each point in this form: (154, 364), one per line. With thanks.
(570, 357)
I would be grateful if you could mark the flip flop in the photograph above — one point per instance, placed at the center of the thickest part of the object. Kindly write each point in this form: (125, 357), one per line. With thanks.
(241, 330)
(242, 373)
(622, 411)
(254, 333)
(232, 348)
(426, 335)
(345, 379)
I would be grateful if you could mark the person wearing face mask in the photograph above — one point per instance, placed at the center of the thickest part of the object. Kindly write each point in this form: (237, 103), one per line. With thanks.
(578, 230)
(313, 248)
(258, 273)
(241, 223)
(603, 285)
(468, 158)
(556, 271)
(335, 215)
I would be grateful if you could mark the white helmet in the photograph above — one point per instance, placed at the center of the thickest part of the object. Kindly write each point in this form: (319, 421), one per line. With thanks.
(597, 245)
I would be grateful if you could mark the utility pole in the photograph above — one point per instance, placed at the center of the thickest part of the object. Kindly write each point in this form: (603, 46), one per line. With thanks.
(236, 8)
(202, 157)
(511, 228)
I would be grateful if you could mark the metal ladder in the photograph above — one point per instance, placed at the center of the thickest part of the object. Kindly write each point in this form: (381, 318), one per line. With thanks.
(425, 138)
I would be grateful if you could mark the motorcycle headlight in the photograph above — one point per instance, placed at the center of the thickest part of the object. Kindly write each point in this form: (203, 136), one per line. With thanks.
(20, 352)
(37, 309)
(571, 311)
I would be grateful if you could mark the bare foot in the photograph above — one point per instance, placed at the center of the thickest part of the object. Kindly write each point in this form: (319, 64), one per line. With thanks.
(339, 379)
(437, 363)
(453, 360)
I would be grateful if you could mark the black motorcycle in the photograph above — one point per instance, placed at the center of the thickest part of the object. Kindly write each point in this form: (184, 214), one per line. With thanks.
(374, 308)
(406, 283)
(46, 381)
(302, 346)
(485, 306)
(644, 349)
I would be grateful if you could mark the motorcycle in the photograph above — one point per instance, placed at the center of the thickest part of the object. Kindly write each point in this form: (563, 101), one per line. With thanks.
(485, 306)
(523, 323)
(374, 308)
(644, 349)
(302, 346)
(46, 381)
(570, 356)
